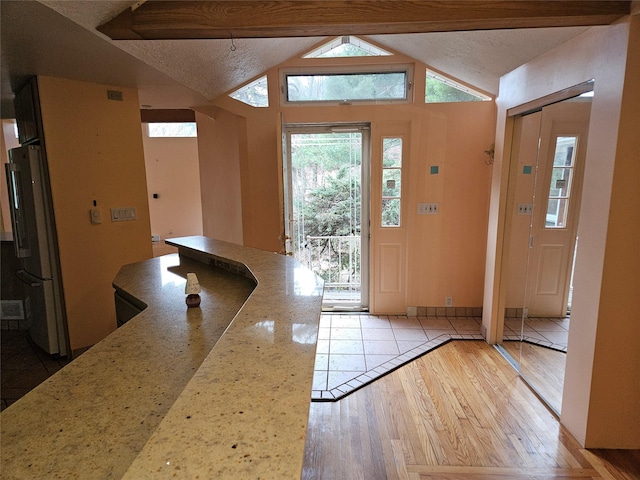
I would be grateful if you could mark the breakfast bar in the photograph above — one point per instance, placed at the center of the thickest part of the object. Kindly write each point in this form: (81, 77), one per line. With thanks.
(218, 391)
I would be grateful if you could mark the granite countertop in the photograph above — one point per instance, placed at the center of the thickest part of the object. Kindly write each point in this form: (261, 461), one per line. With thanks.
(221, 391)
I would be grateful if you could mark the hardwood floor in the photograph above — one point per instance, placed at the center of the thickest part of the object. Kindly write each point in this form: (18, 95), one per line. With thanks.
(458, 412)
(543, 368)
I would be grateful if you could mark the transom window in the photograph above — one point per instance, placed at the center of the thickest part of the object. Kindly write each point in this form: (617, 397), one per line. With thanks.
(347, 46)
(344, 86)
(255, 93)
(440, 89)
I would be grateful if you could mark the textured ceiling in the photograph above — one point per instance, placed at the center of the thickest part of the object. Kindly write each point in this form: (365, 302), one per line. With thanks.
(58, 38)
(479, 57)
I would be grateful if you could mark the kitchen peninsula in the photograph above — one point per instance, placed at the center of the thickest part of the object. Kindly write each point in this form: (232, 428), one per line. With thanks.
(220, 391)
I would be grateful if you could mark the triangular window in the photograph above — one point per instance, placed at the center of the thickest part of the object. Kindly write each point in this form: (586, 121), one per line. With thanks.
(441, 89)
(347, 46)
(255, 93)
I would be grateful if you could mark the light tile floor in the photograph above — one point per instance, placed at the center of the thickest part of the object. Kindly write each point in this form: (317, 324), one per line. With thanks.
(356, 349)
(548, 332)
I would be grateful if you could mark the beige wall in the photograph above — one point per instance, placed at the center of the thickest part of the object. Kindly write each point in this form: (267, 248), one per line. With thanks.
(602, 387)
(221, 146)
(446, 251)
(614, 410)
(173, 174)
(444, 254)
(94, 149)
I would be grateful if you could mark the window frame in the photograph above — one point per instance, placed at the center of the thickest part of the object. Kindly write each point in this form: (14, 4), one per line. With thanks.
(406, 68)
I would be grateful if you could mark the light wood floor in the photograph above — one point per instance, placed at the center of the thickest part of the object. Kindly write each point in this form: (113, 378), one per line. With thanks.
(543, 368)
(458, 412)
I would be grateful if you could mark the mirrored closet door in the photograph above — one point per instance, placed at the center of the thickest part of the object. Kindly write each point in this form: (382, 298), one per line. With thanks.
(543, 204)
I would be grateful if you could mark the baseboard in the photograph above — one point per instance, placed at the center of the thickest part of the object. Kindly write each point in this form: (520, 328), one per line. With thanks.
(444, 311)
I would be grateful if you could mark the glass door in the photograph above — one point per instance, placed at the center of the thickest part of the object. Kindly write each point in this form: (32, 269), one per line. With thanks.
(326, 208)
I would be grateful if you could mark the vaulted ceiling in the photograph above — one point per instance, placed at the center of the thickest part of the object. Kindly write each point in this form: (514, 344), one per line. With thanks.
(60, 38)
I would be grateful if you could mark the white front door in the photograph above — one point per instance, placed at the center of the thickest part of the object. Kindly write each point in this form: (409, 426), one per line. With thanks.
(558, 187)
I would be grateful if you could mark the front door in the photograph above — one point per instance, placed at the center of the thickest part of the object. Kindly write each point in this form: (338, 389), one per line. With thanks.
(326, 208)
(563, 142)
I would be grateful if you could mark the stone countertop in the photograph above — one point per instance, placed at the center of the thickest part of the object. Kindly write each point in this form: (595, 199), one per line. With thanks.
(183, 393)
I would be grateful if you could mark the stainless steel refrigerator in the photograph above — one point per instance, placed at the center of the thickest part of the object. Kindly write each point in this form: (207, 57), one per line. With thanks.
(35, 246)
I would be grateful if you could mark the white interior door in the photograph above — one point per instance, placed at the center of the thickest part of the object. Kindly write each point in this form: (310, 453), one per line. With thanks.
(563, 141)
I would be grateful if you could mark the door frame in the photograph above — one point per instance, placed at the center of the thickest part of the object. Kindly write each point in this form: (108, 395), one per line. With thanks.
(365, 198)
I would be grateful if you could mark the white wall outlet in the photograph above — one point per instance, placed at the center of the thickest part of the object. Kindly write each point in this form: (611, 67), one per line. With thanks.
(448, 302)
(525, 208)
(155, 238)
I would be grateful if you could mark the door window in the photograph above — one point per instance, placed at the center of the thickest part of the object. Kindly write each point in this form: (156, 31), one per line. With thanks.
(561, 180)
(391, 181)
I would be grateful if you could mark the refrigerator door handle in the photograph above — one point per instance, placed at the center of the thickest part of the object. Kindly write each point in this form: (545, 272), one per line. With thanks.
(26, 277)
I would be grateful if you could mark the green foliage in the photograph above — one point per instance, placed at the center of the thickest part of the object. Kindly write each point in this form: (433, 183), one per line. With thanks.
(438, 92)
(352, 86)
(326, 183)
(330, 207)
(326, 195)
(391, 213)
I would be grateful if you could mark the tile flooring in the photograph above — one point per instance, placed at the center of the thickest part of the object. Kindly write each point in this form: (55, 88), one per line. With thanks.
(356, 349)
(24, 365)
(547, 332)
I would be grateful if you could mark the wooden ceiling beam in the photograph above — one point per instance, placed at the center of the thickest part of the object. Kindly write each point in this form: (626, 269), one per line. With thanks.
(178, 19)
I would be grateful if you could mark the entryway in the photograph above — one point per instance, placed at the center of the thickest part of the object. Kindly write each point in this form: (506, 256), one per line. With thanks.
(327, 209)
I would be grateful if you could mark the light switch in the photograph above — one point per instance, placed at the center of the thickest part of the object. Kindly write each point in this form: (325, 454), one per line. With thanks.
(428, 208)
(123, 214)
(525, 208)
(96, 216)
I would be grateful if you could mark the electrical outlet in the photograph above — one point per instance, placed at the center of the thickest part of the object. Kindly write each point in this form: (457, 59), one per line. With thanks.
(448, 302)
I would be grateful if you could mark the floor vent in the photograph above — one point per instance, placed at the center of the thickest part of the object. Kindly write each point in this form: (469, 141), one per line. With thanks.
(12, 310)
